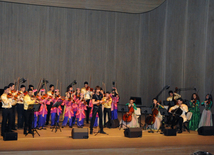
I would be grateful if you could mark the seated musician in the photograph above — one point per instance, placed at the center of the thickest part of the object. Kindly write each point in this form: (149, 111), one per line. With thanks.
(158, 117)
(182, 118)
(173, 96)
(133, 122)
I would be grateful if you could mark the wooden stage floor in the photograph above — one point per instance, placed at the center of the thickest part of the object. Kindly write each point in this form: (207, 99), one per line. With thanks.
(114, 143)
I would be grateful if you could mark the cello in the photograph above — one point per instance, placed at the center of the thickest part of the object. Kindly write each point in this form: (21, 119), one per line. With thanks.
(128, 116)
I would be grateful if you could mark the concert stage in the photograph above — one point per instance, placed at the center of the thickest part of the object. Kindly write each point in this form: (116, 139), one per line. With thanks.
(113, 143)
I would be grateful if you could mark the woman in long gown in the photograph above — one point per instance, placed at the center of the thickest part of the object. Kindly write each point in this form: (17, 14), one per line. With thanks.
(134, 122)
(194, 108)
(206, 117)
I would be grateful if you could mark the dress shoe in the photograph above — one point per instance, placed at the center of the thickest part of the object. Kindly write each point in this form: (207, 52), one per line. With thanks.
(91, 132)
(102, 132)
(179, 131)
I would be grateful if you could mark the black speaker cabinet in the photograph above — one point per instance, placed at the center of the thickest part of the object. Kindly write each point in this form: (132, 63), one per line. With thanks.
(133, 132)
(170, 132)
(113, 123)
(206, 130)
(80, 133)
(10, 136)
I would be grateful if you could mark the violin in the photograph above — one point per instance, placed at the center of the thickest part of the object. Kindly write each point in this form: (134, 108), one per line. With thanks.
(9, 95)
(44, 96)
(128, 116)
(89, 89)
(13, 91)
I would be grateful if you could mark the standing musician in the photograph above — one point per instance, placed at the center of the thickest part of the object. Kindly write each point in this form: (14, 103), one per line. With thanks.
(13, 92)
(194, 108)
(28, 113)
(6, 111)
(20, 106)
(49, 93)
(97, 102)
(173, 96)
(183, 108)
(86, 91)
(107, 107)
(206, 117)
(115, 99)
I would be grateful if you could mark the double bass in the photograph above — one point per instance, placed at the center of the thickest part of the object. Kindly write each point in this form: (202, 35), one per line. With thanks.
(128, 116)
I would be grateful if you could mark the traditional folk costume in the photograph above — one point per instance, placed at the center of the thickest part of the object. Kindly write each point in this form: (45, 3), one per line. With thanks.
(158, 118)
(115, 100)
(42, 112)
(55, 111)
(134, 122)
(68, 114)
(194, 122)
(81, 113)
(74, 106)
(206, 117)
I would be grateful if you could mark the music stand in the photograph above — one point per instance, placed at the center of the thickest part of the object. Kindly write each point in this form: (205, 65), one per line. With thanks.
(56, 125)
(164, 113)
(146, 111)
(34, 108)
(122, 108)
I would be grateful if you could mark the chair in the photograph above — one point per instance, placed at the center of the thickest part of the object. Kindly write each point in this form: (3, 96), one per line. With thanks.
(186, 123)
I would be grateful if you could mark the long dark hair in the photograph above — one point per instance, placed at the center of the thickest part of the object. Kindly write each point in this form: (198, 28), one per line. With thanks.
(197, 97)
(210, 97)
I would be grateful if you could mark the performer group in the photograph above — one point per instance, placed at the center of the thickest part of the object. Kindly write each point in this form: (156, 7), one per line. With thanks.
(77, 107)
(86, 105)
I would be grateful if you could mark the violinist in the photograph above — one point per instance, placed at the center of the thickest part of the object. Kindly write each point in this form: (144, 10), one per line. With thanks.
(14, 92)
(77, 94)
(86, 91)
(56, 111)
(173, 96)
(49, 93)
(182, 118)
(6, 125)
(107, 107)
(97, 108)
(32, 88)
(28, 114)
(81, 111)
(20, 106)
(74, 104)
(134, 121)
(43, 99)
(206, 117)
(115, 99)
(68, 114)
(194, 108)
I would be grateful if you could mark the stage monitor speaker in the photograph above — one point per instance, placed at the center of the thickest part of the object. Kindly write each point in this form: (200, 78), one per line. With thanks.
(206, 130)
(10, 136)
(170, 132)
(113, 123)
(133, 132)
(80, 133)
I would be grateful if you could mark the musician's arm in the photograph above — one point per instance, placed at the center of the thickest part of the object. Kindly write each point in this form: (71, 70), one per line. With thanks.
(173, 108)
(177, 96)
(95, 102)
(184, 108)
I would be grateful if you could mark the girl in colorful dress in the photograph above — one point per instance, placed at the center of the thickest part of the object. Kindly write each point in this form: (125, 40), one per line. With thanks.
(115, 99)
(68, 114)
(194, 108)
(74, 104)
(56, 111)
(81, 112)
(206, 117)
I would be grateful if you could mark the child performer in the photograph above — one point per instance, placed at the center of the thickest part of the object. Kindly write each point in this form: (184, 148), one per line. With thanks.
(115, 99)
(43, 109)
(81, 112)
(56, 111)
(68, 114)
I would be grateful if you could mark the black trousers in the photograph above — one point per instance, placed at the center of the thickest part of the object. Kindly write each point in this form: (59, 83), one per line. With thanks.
(13, 117)
(28, 119)
(95, 110)
(48, 114)
(20, 111)
(87, 112)
(107, 111)
(180, 121)
(6, 124)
